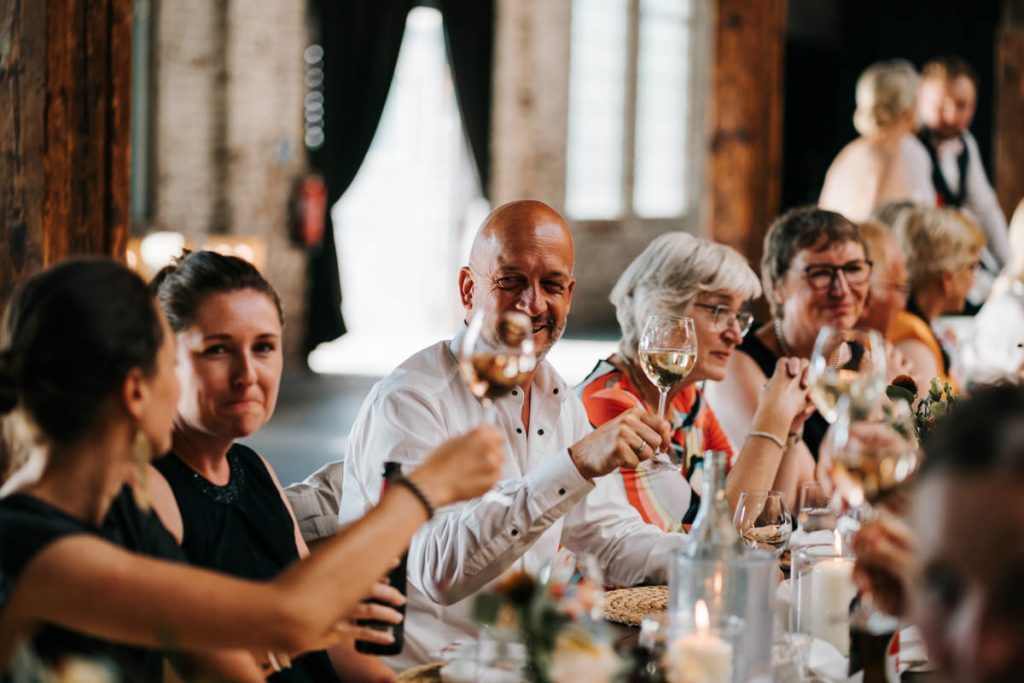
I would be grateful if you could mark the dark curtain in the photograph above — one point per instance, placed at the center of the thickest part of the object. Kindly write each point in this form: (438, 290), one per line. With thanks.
(469, 37)
(361, 39)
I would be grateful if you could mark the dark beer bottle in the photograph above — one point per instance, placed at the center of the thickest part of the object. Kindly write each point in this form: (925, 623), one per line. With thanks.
(396, 577)
(874, 642)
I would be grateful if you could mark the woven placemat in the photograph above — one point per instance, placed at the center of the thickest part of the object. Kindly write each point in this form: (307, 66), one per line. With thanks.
(630, 605)
(427, 673)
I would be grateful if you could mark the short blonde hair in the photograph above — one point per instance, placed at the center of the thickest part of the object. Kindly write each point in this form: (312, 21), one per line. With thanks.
(669, 274)
(935, 241)
(885, 91)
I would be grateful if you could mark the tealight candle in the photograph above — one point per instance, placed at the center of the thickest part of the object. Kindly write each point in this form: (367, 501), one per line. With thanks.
(700, 655)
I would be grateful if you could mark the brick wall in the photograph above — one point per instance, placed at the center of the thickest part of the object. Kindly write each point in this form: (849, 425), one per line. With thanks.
(228, 131)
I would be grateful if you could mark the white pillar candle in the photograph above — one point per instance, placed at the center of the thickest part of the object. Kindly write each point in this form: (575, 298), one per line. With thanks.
(701, 655)
(831, 592)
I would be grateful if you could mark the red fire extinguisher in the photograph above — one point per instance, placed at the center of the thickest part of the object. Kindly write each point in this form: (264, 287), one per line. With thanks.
(309, 211)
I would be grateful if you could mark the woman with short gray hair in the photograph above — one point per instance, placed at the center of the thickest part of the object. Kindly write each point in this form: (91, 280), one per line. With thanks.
(679, 274)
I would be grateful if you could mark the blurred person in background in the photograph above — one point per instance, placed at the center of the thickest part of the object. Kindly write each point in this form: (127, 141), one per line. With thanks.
(887, 162)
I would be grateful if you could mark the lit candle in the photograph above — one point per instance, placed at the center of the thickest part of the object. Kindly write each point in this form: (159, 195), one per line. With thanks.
(831, 591)
(701, 655)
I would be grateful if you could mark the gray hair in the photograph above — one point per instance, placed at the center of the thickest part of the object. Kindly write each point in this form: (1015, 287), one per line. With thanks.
(669, 274)
(885, 91)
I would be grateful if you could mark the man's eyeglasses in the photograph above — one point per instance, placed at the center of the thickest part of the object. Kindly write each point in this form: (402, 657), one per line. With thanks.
(822, 276)
(723, 316)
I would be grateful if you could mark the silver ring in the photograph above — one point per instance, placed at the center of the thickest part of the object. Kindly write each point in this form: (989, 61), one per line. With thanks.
(641, 448)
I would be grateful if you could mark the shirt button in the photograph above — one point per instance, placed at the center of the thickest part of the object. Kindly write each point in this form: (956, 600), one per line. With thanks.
(556, 390)
(515, 392)
(541, 432)
(515, 532)
(519, 430)
(561, 492)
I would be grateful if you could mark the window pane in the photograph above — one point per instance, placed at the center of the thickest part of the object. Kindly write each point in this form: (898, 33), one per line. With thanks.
(664, 84)
(597, 107)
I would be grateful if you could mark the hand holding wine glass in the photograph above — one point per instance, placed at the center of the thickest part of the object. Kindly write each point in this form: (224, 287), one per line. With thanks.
(847, 363)
(763, 521)
(667, 353)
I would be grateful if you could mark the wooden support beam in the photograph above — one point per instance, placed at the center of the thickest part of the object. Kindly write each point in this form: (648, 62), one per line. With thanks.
(745, 162)
(1009, 115)
(65, 124)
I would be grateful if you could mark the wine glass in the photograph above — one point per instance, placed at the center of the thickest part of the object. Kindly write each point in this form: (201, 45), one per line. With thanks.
(815, 511)
(847, 362)
(763, 521)
(495, 355)
(873, 454)
(667, 353)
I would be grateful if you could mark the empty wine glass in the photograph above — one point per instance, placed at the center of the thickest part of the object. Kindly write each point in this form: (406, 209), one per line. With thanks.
(667, 353)
(763, 521)
(847, 362)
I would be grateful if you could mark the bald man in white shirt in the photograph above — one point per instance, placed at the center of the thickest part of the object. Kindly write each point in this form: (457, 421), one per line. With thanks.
(522, 259)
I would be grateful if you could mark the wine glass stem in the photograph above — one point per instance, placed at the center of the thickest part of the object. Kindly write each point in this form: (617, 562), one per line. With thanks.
(490, 412)
(662, 399)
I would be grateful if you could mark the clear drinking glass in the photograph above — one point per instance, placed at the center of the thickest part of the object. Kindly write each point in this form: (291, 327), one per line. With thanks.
(763, 521)
(495, 355)
(667, 353)
(847, 363)
(874, 454)
(815, 511)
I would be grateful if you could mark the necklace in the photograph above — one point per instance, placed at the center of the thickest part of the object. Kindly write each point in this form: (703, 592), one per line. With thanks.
(778, 336)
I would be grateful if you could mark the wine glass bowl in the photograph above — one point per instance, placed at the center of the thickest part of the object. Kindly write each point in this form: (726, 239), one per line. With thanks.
(847, 363)
(667, 353)
(874, 455)
(496, 355)
(763, 520)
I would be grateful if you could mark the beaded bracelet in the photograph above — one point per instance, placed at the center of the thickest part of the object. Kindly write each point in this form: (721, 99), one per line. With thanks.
(416, 491)
(771, 437)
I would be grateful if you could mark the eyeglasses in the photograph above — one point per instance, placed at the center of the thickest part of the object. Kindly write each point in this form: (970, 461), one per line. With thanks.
(821, 276)
(723, 316)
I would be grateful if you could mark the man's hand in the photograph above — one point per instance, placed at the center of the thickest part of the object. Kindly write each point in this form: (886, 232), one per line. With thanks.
(626, 441)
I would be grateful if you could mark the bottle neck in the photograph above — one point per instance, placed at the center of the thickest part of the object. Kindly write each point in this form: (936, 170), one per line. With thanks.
(713, 529)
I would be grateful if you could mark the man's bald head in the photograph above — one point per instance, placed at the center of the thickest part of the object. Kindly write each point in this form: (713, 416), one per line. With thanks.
(522, 259)
(521, 223)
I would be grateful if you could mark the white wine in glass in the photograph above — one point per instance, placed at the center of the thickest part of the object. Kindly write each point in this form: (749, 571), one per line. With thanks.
(495, 355)
(847, 363)
(874, 455)
(667, 353)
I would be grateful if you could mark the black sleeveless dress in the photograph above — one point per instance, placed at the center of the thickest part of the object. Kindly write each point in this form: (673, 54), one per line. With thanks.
(816, 425)
(243, 529)
(29, 525)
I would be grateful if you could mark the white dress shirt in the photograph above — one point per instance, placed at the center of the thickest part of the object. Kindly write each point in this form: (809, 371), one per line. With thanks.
(980, 201)
(469, 545)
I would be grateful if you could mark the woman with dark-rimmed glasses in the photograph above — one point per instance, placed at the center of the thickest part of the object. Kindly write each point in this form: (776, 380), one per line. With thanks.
(679, 274)
(816, 272)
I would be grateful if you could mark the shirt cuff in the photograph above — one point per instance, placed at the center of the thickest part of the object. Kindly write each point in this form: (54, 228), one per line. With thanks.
(556, 486)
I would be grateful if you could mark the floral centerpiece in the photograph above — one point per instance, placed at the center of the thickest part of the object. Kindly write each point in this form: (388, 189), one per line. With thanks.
(926, 410)
(559, 622)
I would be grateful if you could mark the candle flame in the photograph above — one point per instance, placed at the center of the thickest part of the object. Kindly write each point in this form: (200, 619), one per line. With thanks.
(700, 616)
(838, 544)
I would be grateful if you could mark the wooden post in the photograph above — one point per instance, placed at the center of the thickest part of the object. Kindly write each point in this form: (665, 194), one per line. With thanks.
(745, 161)
(1009, 117)
(65, 124)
